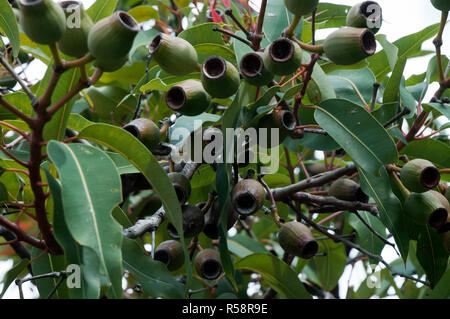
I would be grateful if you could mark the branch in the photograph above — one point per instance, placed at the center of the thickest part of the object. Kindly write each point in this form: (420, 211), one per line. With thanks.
(20, 234)
(330, 200)
(257, 36)
(148, 224)
(282, 193)
(18, 79)
(16, 111)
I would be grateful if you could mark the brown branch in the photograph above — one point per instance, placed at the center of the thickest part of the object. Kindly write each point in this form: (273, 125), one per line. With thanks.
(257, 36)
(16, 111)
(20, 234)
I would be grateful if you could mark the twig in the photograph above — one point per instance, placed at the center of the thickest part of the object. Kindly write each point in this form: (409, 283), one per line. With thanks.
(18, 79)
(231, 34)
(403, 112)
(229, 13)
(376, 86)
(20, 234)
(273, 205)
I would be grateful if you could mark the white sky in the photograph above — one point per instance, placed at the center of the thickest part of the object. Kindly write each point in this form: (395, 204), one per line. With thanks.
(400, 18)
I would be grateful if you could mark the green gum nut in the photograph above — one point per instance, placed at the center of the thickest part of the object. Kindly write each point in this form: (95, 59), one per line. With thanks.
(425, 208)
(443, 5)
(74, 41)
(193, 222)
(419, 175)
(171, 254)
(349, 45)
(212, 219)
(283, 120)
(43, 21)
(367, 14)
(207, 264)
(111, 38)
(347, 189)
(219, 77)
(283, 57)
(182, 186)
(174, 55)
(248, 196)
(301, 7)
(253, 69)
(188, 98)
(146, 131)
(110, 65)
(296, 239)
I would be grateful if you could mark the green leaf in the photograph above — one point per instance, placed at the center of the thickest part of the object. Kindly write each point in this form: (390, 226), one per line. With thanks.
(435, 151)
(12, 274)
(190, 124)
(277, 19)
(276, 273)
(366, 238)
(143, 13)
(431, 254)
(389, 206)
(134, 151)
(88, 201)
(8, 24)
(329, 268)
(353, 85)
(243, 246)
(408, 47)
(442, 289)
(390, 49)
(358, 132)
(154, 277)
(206, 50)
(101, 9)
(443, 109)
(202, 33)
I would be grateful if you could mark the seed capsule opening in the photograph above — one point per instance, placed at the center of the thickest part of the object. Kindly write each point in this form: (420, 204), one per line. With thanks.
(438, 217)
(365, 12)
(181, 194)
(246, 203)
(288, 121)
(175, 98)
(368, 42)
(214, 67)
(211, 269)
(281, 50)
(310, 249)
(134, 130)
(69, 3)
(128, 21)
(163, 256)
(155, 44)
(430, 177)
(172, 231)
(361, 196)
(211, 231)
(251, 65)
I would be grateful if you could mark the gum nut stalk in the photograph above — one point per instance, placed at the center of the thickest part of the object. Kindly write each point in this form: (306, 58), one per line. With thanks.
(296, 239)
(253, 69)
(425, 208)
(188, 98)
(74, 41)
(367, 14)
(146, 131)
(173, 54)
(301, 7)
(347, 189)
(212, 219)
(283, 57)
(111, 38)
(443, 5)
(171, 254)
(349, 45)
(182, 186)
(283, 120)
(193, 222)
(419, 175)
(219, 77)
(207, 264)
(248, 196)
(43, 21)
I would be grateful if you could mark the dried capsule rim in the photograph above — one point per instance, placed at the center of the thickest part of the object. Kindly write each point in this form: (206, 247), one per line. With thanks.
(133, 129)
(127, 21)
(211, 269)
(288, 121)
(214, 67)
(172, 231)
(430, 177)
(281, 50)
(246, 203)
(65, 4)
(181, 193)
(176, 97)
(368, 43)
(163, 256)
(155, 44)
(310, 249)
(252, 65)
(438, 217)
